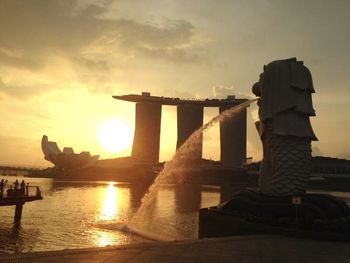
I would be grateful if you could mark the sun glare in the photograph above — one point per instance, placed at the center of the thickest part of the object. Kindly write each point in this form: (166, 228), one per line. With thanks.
(110, 203)
(114, 135)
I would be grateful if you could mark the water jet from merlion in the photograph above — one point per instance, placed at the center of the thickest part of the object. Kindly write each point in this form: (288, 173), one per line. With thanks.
(181, 159)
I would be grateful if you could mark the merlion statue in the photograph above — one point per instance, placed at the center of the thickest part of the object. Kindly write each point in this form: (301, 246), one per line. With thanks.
(285, 105)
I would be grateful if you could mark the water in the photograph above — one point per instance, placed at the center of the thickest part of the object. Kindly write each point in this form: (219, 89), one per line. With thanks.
(77, 214)
(182, 159)
(76, 222)
(89, 214)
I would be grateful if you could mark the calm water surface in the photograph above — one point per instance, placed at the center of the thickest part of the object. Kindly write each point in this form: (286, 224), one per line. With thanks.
(77, 214)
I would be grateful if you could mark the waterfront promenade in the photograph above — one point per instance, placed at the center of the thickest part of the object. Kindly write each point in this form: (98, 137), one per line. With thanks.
(244, 249)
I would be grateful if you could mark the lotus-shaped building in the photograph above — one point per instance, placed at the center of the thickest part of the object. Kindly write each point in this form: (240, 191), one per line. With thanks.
(66, 159)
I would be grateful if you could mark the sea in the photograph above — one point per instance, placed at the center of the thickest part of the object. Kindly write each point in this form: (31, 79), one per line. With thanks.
(85, 214)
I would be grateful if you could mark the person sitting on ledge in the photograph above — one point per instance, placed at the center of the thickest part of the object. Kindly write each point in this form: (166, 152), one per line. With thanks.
(10, 192)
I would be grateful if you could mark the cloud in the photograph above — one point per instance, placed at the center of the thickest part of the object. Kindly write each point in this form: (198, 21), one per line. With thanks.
(35, 34)
(173, 54)
(43, 27)
(20, 151)
(224, 91)
(219, 91)
(23, 91)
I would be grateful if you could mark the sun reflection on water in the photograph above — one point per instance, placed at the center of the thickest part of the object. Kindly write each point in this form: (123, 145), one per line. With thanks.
(110, 204)
(109, 210)
(113, 199)
(103, 239)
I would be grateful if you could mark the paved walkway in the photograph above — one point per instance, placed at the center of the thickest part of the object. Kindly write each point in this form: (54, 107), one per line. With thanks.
(246, 249)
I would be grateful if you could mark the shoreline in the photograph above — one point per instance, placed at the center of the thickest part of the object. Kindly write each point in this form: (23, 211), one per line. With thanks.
(253, 248)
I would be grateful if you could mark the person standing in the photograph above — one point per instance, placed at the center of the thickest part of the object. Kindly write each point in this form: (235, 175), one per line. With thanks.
(27, 189)
(2, 184)
(23, 187)
(16, 183)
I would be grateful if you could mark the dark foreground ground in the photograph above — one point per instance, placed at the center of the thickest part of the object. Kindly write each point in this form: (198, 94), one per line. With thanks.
(250, 249)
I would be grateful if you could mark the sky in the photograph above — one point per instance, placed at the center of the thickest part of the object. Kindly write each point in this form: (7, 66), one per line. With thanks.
(62, 60)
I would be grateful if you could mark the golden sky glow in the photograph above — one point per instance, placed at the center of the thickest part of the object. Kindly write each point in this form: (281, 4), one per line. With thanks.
(114, 135)
(61, 61)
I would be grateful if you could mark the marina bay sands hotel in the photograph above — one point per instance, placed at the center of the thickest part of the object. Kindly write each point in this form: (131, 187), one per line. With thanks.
(233, 133)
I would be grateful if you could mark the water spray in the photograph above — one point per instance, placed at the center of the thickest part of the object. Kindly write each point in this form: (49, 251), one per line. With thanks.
(181, 158)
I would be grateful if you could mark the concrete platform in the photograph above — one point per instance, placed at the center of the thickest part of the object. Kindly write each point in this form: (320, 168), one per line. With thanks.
(18, 200)
(249, 249)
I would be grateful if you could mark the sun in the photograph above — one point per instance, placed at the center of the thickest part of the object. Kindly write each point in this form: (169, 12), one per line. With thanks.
(114, 135)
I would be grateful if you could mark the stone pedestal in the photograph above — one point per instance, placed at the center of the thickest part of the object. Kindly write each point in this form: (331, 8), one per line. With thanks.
(318, 216)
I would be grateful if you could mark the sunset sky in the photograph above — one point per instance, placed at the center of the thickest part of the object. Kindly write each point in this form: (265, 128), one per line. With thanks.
(62, 60)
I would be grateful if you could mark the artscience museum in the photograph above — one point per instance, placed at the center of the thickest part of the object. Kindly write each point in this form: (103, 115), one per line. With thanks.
(66, 159)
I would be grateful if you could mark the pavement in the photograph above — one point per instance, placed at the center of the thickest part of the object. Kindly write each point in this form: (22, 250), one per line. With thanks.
(243, 249)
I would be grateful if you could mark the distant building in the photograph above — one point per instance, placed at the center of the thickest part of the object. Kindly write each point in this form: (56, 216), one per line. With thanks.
(328, 165)
(145, 148)
(233, 132)
(66, 159)
(320, 165)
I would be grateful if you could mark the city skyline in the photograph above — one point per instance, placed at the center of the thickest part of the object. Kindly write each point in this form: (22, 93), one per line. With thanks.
(61, 62)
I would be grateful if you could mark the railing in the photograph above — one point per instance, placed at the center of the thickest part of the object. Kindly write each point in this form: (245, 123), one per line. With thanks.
(33, 189)
(18, 197)
(179, 101)
(28, 191)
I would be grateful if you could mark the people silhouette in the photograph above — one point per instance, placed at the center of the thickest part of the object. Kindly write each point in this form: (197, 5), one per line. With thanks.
(10, 192)
(2, 185)
(16, 184)
(23, 188)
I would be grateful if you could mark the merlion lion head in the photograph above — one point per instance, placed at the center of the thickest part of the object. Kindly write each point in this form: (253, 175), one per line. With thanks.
(284, 85)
